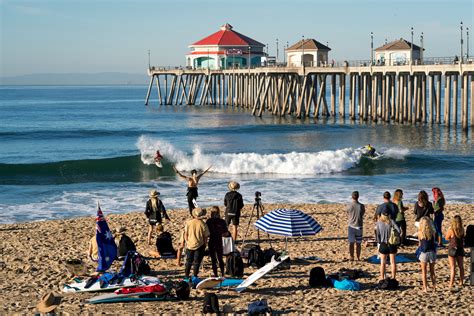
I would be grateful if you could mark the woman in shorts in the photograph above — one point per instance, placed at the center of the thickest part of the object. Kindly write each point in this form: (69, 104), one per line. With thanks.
(382, 236)
(455, 235)
(426, 238)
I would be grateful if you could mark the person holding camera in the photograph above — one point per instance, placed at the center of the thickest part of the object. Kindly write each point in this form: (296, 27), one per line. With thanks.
(233, 203)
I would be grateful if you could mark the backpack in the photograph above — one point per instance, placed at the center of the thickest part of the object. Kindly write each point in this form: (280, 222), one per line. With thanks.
(245, 250)
(135, 264)
(164, 245)
(317, 277)
(256, 257)
(235, 265)
(211, 304)
(125, 245)
(268, 254)
(259, 307)
(182, 290)
(388, 284)
(394, 239)
(469, 237)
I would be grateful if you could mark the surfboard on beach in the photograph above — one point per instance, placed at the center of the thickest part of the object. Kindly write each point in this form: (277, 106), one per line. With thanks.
(80, 285)
(260, 273)
(213, 283)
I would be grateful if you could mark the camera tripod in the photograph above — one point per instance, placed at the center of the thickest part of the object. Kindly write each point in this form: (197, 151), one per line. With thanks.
(257, 211)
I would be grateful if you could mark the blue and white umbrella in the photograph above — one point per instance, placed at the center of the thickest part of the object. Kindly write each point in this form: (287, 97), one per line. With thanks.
(288, 223)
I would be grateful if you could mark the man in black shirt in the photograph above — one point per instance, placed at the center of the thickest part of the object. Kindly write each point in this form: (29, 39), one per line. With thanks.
(233, 204)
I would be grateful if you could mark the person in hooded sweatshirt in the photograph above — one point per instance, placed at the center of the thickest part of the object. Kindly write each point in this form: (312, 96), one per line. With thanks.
(233, 203)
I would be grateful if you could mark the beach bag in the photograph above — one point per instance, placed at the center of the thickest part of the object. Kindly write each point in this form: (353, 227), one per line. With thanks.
(469, 237)
(125, 245)
(211, 304)
(227, 245)
(268, 254)
(394, 239)
(256, 258)
(345, 284)
(317, 277)
(259, 307)
(183, 290)
(235, 265)
(246, 249)
(135, 264)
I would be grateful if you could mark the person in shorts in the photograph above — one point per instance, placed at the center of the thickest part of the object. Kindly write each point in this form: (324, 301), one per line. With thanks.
(355, 218)
(233, 203)
(154, 211)
(382, 236)
(426, 237)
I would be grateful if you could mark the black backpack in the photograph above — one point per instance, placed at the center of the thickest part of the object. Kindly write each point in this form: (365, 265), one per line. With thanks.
(469, 237)
(388, 284)
(164, 244)
(125, 245)
(268, 254)
(317, 277)
(256, 257)
(245, 250)
(134, 263)
(259, 307)
(211, 304)
(235, 265)
(182, 290)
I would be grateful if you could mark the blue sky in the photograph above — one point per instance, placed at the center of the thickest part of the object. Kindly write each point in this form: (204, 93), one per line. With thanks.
(64, 36)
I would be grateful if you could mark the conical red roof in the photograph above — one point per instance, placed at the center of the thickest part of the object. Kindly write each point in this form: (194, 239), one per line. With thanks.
(226, 36)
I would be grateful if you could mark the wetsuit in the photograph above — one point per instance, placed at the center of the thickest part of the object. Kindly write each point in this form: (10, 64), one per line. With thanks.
(192, 195)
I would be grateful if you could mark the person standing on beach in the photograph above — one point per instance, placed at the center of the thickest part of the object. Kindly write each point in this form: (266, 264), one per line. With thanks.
(423, 207)
(438, 206)
(426, 238)
(355, 219)
(233, 203)
(193, 182)
(196, 234)
(382, 236)
(455, 235)
(217, 229)
(387, 205)
(153, 210)
(400, 218)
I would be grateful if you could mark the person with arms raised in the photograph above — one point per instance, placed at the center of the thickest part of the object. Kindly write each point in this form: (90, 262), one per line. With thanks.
(193, 182)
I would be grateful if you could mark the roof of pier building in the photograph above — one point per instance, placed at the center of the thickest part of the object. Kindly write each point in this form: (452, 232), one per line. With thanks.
(226, 36)
(308, 44)
(400, 44)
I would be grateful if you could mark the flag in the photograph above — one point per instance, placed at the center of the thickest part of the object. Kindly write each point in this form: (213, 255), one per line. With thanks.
(105, 242)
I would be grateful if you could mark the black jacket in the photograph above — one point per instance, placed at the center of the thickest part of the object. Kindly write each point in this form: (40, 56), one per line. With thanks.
(151, 214)
(233, 203)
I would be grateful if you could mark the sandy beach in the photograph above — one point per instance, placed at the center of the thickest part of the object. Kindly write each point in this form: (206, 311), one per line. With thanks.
(33, 259)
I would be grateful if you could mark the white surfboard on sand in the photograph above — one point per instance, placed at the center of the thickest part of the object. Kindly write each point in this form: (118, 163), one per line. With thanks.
(80, 286)
(209, 283)
(260, 273)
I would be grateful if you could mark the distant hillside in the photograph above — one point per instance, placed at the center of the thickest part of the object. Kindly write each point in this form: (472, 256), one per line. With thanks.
(103, 78)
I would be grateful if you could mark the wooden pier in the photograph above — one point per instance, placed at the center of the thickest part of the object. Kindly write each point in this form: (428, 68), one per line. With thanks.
(403, 94)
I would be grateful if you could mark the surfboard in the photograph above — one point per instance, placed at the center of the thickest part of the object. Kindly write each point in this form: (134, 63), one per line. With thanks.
(260, 273)
(376, 157)
(159, 164)
(136, 298)
(209, 283)
(114, 296)
(79, 286)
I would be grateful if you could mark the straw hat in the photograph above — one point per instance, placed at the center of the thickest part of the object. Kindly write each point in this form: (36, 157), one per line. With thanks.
(233, 186)
(199, 212)
(48, 303)
(154, 194)
(121, 230)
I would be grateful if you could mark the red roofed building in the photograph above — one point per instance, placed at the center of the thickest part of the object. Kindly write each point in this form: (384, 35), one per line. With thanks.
(225, 49)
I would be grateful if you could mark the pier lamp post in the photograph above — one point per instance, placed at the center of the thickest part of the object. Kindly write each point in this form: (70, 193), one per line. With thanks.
(461, 45)
(302, 56)
(371, 48)
(277, 51)
(208, 59)
(421, 51)
(248, 59)
(411, 47)
(286, 50)
(467, 43)
(149, 66)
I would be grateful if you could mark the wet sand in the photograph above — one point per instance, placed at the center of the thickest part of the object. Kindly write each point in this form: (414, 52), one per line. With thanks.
(33, 259)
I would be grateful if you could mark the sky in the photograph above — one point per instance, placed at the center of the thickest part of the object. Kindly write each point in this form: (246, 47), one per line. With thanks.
(92, 36)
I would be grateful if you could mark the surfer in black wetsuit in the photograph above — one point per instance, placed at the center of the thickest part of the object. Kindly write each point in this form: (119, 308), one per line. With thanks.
(192, 186)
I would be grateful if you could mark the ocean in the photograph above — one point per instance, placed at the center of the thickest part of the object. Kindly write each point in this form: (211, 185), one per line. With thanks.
(63, 148)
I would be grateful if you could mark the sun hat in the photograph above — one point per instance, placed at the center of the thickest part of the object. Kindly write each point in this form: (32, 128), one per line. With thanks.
(154, 193)
(121, 230)
(48, 303)
(199, 212)
(233, 186)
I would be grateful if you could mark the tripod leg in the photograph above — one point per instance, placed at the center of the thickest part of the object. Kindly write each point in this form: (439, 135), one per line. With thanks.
(248, 225)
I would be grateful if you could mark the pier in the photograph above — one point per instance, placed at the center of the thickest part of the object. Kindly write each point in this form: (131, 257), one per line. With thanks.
(406, 94)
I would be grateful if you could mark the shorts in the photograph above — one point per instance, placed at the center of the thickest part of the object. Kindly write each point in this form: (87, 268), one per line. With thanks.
(153, 222)
(429, 256)
(354, 234)
(386, 249)
(232, 218)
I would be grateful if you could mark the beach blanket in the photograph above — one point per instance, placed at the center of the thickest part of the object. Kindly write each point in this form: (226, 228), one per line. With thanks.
(345, 285)
(398, 258)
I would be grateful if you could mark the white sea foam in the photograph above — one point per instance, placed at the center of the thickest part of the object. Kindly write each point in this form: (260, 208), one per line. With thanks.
(292, 163)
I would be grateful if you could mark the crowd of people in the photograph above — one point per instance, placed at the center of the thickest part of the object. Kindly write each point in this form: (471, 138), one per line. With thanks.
(391, 233)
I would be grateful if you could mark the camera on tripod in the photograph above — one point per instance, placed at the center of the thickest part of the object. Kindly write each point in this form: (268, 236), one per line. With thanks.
(258, 197)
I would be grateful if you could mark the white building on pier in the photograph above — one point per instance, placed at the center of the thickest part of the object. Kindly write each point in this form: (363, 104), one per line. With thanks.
(309, 51)
(399, 52)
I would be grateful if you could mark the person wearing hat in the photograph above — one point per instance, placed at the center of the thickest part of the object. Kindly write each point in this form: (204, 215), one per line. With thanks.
(196, 234)
(233, 203)
(125, 244)
(48, 303)
(193, 182)
(153, 211)
(383, 229)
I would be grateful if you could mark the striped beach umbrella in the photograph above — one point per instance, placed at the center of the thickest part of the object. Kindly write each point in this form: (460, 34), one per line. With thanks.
(288, 223)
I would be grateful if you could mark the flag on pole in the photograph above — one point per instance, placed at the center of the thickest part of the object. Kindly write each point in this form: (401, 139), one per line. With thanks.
(105, 242)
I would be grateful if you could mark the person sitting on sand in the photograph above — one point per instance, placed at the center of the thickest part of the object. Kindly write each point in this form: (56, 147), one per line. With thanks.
(93, 249)
(125, 244)
(196, 235)
(355, 218)
(217, 229)
(387, 205)
(426, 238)
(164, 244)
(423, 207)
(153, 210)
(455, 235)
(234, 203)
(193, 182)
(438, 207)
(383, 229)
(400, 218)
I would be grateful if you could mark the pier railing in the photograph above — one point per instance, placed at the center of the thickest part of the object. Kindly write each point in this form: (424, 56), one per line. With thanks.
(438, 91)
